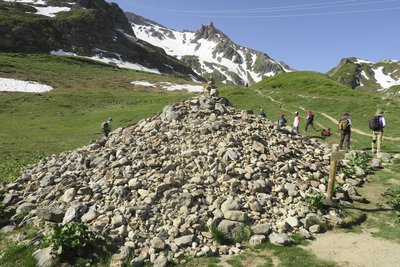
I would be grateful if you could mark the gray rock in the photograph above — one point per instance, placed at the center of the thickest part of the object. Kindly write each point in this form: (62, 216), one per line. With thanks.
(261, 229)
(257, 239)
(280, 239)
(316, 228)
(230, 228)
(69, 195)
(24, 207)
(49, 213)
(47, 181)
(229, 204)
(292, 221)
(70, 216)
(184, 240)
(235, 215)
(43, 257)
(157, 243)
(161, 261)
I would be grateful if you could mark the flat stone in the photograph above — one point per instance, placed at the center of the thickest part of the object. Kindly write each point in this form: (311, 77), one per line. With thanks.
(49, 213)
(280, 239)
(183, 240)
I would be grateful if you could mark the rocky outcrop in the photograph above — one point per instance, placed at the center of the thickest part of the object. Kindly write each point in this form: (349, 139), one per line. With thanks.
(159, 186)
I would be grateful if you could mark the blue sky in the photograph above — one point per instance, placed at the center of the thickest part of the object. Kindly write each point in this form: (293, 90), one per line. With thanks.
(307, 35)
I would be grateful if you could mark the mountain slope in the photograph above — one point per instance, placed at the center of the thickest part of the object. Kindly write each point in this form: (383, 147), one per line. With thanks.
(91, 28)
(367, 75)
(209, 52)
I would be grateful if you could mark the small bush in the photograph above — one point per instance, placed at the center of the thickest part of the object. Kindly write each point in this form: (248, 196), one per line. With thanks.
(73, 242)
(316, 200)
(219, 236)
(392, 195)
(360, 160)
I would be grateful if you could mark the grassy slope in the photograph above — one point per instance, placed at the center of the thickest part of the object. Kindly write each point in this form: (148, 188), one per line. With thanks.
(309, 90)
(85, 94)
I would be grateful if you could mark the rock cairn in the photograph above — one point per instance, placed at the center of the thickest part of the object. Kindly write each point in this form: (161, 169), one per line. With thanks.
(157, 187)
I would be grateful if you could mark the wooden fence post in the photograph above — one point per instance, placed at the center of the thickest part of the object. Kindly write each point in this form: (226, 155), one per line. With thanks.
(335, 156)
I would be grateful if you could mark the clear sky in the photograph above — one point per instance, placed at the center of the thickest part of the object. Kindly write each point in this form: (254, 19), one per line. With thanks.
(307, 34)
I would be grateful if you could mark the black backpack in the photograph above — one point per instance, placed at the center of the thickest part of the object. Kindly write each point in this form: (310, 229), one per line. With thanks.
(374, 124)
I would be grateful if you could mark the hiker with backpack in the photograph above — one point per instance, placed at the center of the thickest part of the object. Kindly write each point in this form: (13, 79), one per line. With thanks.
(310, 120)
(376, 124)
(345, 130)
(106, 127)
(282, 120)
(296, 122)
(262, 114)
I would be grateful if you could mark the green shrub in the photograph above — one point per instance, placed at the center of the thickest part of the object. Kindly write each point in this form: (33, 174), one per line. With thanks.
(219, 236)
(73, 242)
(316, 200)
(360, 160)
(392, 195)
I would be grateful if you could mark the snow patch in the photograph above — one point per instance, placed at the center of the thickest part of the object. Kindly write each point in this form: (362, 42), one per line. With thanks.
(364, 75)
(12, 85)
(384, 80)
(62, 53)
(124, 64)
(360, 61)
(50, 11)
(171, 86)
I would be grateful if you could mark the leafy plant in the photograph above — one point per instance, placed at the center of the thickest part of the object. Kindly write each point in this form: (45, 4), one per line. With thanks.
(72, 242)
(360, 160)
(392, 195)
(316, 200)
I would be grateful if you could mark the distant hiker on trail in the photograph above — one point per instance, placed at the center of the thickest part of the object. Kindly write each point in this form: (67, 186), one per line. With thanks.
(326, 132)
(345, 130)
(262, 114)
(282, 120)
(310, 120)
(106, 127)
(376, 124)
(296, 122)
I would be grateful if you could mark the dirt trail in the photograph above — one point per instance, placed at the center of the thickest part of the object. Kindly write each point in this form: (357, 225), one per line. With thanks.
(358, 131)
(350, 249)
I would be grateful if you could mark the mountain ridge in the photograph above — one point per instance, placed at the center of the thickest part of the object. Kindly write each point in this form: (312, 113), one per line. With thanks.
(367, 75)
(90, 28)
(209, 52)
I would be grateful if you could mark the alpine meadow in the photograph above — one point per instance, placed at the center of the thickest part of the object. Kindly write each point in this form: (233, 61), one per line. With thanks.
(192, 173)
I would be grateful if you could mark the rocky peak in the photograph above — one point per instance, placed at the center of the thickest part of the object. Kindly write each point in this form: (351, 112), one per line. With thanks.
(208, 32)
(112, 10)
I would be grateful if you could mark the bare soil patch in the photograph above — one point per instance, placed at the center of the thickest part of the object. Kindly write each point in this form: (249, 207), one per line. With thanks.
(350, 249)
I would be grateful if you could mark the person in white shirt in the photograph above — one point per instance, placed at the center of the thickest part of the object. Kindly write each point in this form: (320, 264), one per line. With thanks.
(296, 122)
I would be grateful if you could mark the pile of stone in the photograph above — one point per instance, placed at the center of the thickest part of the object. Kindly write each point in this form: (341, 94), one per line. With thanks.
(158, 187)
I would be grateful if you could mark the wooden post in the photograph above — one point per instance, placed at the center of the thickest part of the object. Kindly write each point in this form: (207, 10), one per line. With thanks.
(335, 156)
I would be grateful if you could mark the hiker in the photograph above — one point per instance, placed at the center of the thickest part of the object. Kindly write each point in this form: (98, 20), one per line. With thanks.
(310, 120)
(282, 120)
(376, 124)
(262, 114)
(106, 128)
(345, 130)
(296, 122)
(326, 132)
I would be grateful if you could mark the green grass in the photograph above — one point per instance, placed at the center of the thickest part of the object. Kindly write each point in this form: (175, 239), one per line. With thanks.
(85, 94)
(16, 255)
